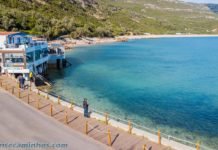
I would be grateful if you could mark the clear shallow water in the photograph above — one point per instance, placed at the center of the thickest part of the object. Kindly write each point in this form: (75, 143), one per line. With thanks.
(171, 84)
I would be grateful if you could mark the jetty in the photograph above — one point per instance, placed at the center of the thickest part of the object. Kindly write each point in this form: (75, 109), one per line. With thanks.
(100, 130)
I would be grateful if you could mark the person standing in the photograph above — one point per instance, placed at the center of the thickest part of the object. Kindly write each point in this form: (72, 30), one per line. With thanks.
(86, 108)
(20, 80)
(31, 76)
(23, 83)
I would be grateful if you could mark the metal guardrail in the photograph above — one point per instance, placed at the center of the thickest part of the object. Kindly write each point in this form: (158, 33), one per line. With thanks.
(134, 125)
(137, 126)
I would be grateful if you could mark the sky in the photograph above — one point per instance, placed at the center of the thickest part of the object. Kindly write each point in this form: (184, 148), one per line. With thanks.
(203, 1)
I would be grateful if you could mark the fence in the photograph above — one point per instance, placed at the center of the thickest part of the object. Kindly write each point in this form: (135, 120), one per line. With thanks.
(163, 138)
(130, 125)
(170, 140)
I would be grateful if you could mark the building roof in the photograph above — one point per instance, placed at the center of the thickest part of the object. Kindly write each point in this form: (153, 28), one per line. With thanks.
(8, 33)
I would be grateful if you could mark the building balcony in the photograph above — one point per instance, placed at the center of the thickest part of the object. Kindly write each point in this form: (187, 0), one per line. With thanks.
(35, 45)
(12, 50)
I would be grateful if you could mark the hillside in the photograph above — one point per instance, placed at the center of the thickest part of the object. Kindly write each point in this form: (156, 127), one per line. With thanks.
(106, 18)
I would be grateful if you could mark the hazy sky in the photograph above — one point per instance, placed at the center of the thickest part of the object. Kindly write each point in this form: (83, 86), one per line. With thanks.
(202, 1)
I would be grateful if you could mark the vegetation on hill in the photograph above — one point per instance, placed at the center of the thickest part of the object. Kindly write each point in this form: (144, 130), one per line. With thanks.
(105, 18)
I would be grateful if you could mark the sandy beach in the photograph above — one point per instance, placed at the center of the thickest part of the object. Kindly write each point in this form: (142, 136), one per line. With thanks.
(70, 43)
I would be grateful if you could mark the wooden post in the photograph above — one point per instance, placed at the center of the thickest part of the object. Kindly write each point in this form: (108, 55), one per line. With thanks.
(19, 93)
(28, 99)
(38, 104)
(130, 127)
(12, 90)
(1, 83)
(159, 137)
(106, 118)
(71, 105)
(6, 87)
(51, 109)
(59, 102)
(109, 137)
(144, 147)
(30, 86)
(47, 97)
(86, 128)
(198, 146)
(66, 117)
(18, 85)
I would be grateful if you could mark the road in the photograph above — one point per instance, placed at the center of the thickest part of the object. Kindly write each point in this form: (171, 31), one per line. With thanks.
(22, 124)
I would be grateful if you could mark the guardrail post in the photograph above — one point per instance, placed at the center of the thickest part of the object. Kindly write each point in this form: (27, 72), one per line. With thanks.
(106, 118)
(28, 98)
(86, 128)
(66, 117)
(59, 102)
(30, 86)
(144, 147)
(19, 93)
(198, 146)
(109, 137)
(51, 109)
(130, 127)
(47, 97)
(12, 90)
(159, 137)
(38, 104)
(71, 105)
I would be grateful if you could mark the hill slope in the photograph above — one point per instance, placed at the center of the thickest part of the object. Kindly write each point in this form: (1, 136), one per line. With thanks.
(103, 18)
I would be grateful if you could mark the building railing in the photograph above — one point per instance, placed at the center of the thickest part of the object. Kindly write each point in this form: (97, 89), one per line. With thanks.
(12, 45)
(168, 137)
(56, 53)
(35, 45)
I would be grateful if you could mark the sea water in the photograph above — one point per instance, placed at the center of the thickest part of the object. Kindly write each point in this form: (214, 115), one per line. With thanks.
(169, 84)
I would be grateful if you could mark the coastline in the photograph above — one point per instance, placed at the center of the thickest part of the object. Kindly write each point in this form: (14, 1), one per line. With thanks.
(176, 39)
(69, 43)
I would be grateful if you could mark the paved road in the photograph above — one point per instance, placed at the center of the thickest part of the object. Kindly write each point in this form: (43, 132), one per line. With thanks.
(20, 123)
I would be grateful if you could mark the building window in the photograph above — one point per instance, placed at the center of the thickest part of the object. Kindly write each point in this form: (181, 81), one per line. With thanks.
(18, 40)
(30, 57)
(38, 54)
(10, 59)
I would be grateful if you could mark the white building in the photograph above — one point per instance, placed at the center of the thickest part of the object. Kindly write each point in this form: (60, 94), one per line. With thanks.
(20, 54)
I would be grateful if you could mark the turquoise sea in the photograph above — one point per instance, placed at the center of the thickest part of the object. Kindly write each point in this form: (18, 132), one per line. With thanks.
(168, 83)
